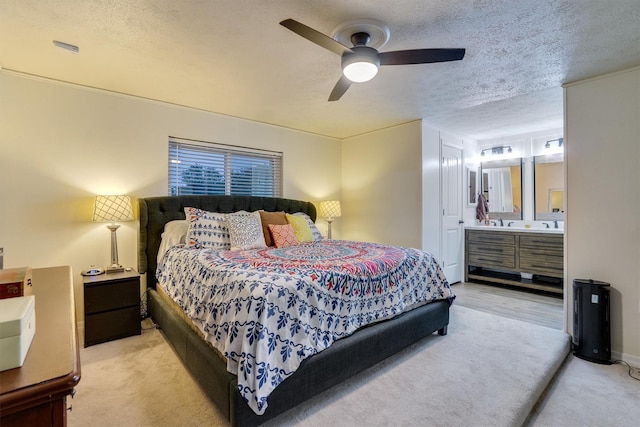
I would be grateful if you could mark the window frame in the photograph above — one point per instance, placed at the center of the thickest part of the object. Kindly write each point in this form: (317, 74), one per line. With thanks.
(221, 159)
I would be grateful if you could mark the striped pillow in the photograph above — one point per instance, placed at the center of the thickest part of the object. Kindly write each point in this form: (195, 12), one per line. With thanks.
(315, 233)
(207, 229)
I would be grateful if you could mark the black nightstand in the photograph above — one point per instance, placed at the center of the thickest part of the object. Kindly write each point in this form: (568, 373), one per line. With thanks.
(111, 307)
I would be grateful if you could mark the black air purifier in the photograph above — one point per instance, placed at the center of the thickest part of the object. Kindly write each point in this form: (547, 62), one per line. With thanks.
(591, 321)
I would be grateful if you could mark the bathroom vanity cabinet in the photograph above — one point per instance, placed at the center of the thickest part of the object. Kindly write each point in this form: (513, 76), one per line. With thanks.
(500, 255)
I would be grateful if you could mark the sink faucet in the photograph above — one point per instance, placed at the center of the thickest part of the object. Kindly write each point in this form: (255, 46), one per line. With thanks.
(509, 224)
(546, 224)
(501, 223)
(555, 223)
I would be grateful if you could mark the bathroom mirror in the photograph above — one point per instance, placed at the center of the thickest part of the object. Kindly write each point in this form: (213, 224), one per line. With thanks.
(548, 184)
(502, 187)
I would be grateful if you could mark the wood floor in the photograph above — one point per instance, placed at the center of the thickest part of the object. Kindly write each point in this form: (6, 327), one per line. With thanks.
(537, 308)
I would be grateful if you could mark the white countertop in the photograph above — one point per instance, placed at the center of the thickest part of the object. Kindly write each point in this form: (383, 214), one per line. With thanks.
(516, 229)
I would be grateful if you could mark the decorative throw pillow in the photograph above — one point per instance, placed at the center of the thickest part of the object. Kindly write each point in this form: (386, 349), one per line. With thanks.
(283, 235)
(315, 233)
(245, 229)
(300, 228)
(271, 218)
(207, 229)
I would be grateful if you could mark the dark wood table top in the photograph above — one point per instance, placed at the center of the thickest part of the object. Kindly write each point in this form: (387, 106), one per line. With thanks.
(52, 366)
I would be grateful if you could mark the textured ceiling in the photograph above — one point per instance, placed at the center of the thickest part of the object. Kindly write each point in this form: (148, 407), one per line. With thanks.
(232, 57)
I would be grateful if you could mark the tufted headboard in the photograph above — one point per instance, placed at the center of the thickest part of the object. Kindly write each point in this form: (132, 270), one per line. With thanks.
(155, 212)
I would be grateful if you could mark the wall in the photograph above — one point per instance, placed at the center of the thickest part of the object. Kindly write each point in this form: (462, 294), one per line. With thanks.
(61, 144)
(431, 188)
(602, 160)
(381, 186)
(391, 186)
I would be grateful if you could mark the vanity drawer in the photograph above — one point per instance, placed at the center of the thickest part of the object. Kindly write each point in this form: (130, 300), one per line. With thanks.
(493, 258)
(542, 241)
(542, 254)
(480, 238)
(550, 266)
(494, 249)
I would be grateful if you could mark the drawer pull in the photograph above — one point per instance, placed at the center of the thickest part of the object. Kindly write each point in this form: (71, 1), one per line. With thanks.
(542, 267)
(540, 254)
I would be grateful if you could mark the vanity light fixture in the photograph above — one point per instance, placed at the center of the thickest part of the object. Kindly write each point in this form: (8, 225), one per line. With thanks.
(559, 140)
(497, 150)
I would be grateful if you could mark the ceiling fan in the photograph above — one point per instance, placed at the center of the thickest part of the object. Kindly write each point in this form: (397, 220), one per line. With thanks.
(360, 63)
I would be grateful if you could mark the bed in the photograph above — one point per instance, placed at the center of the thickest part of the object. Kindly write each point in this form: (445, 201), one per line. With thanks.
(342, 359)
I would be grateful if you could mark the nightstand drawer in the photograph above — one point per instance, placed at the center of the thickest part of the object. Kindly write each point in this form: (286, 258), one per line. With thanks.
(106, 296)
(111, 325)
(111, 306)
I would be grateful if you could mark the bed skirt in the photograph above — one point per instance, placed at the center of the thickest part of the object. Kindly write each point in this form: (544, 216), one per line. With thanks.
(345, 358)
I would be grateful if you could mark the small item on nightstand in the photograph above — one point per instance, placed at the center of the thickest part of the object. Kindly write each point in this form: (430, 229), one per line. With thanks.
(92, 271)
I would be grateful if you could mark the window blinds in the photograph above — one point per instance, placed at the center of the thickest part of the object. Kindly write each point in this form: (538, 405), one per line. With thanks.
(197, 167)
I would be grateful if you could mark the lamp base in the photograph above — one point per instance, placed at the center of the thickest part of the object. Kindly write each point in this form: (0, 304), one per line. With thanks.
(329, 221)
(114, 269)
(115, 266)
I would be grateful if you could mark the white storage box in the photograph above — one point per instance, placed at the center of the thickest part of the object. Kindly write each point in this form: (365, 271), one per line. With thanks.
(17, 328)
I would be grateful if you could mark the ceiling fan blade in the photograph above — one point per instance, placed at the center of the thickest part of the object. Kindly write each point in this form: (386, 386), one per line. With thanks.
(315, 36)
(420, 56)
(340, 88)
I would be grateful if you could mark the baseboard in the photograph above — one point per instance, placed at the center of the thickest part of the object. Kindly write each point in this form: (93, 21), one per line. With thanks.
(630, 359)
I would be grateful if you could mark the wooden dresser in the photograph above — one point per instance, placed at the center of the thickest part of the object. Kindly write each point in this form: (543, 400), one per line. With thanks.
(35, 394)
(500, 256)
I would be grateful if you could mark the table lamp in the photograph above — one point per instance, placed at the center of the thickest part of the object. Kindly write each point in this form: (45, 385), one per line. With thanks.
(329, 210)
(112, 209)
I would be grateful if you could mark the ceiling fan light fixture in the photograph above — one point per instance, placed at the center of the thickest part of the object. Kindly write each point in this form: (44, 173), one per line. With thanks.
(359, 72)
(361, 62)
(360, 65)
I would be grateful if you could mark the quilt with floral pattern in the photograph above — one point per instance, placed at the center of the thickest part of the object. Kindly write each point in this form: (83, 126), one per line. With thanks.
(266, 310)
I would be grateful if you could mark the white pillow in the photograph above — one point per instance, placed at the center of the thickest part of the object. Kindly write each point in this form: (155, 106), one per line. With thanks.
(315, 233)
(175, 233)
(207, 229)
(245, 231)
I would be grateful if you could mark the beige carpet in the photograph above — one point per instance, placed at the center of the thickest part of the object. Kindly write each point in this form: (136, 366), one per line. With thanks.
(588, 394)
(488, 370)
(138, 381)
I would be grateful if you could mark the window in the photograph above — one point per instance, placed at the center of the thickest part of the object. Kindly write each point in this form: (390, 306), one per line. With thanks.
(197, 167)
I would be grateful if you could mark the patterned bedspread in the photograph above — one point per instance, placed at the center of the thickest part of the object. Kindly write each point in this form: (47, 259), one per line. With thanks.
(267, 310)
